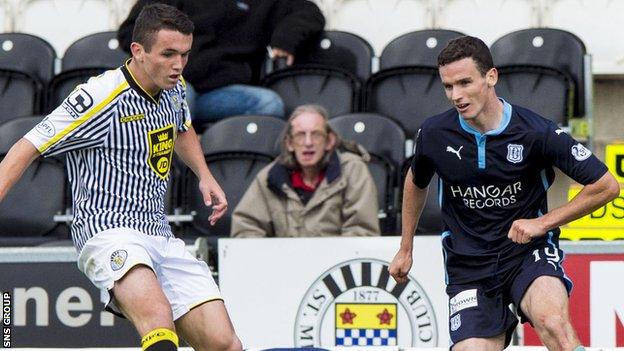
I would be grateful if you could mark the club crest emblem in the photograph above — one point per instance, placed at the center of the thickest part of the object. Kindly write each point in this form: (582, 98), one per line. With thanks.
(456, 322)
(118, 259)
(580, 152)
(514, 153)
(357, 303)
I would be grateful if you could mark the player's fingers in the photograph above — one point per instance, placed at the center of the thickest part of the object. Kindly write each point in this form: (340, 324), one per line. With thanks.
(526, 238)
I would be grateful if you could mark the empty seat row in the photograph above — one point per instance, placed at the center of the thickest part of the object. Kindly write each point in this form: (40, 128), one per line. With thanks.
(541, 68)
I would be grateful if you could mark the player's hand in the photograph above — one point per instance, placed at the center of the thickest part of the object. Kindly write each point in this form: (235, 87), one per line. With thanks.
(400, 266)
(215, 197)
(523, 230)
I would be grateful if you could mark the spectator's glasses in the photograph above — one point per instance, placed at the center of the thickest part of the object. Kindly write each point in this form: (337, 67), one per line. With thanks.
(316, 136)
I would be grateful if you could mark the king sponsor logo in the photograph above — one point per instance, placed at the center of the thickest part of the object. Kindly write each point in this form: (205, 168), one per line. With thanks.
(357, 303)
(161, 142)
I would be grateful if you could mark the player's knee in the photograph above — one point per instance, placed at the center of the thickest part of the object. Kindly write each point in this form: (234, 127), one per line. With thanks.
(154, 318)
(227, 342)
(161, 339)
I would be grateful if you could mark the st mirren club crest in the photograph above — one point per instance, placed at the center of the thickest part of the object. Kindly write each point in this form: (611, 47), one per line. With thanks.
(357, 303)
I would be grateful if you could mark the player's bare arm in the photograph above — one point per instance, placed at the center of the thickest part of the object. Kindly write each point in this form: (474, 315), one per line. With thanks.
(590, 198)
(17, 160)
(188, 148)
(413, 203)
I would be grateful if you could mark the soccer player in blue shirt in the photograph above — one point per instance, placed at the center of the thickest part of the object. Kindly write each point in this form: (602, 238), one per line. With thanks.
(495, 164)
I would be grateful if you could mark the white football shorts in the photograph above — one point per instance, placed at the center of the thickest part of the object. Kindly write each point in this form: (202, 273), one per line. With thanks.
(185, 280)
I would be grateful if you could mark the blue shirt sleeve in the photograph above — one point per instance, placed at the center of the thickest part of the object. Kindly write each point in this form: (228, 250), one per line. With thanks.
(572, 157)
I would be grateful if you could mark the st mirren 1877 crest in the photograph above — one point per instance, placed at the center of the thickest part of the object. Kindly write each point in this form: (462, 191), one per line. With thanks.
(357, 303)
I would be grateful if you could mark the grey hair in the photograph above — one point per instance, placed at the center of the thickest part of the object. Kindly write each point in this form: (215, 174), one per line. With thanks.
(288, 159)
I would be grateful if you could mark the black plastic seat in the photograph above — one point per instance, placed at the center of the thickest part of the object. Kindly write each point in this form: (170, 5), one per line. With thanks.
(431, 217)
(385, 141)
(86, 57)
(26, 67)
(19, 95)
(408, 95)
(336, 90)
(236, 149)
(418, 48)
(27, 211)
(342, 50)
(546, 91)
(551, 48)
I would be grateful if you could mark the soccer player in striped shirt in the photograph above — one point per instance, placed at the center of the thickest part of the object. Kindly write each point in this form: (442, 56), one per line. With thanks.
(119, 131)
(495, 164)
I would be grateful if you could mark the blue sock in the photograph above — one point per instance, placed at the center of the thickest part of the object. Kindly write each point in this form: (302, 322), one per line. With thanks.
(579, 348)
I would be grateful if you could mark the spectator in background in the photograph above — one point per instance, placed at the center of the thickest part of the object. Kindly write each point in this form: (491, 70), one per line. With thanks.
(230, 44)
(320, 185)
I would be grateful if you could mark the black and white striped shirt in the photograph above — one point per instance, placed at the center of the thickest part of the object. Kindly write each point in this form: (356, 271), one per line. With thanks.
(119, 145)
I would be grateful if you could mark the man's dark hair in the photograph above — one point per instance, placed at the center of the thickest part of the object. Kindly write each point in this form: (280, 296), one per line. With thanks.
(155, 17)
(463, 47)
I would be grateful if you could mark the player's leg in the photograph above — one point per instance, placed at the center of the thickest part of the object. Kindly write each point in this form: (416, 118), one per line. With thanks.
(545, 304)
(198, 309)
(118, 261)
(139, 297)
(208, 326)
(496, 343)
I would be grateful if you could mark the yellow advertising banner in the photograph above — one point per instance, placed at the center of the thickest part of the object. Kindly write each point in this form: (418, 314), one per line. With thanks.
(614, 158)
(607, 222)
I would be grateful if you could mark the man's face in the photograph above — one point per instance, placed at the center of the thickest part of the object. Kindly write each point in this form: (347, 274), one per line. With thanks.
(309, 139)
(166, 59)
(466, 88)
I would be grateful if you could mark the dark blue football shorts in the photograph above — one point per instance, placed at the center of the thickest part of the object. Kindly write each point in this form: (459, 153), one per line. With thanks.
(481, 309)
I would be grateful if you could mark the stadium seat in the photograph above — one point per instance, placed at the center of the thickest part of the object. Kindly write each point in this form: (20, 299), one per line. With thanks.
(408, 95)
(337, 90)
(26, 213)
(546, 91)
(551, 48)
(26, 67)
(384, 140)
(86, 57)
(341, 50)
(236, 148)
(418, 48)
(407, 88)
(431, 217)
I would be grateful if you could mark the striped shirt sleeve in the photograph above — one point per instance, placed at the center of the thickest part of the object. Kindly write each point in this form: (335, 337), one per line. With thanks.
(81, 121)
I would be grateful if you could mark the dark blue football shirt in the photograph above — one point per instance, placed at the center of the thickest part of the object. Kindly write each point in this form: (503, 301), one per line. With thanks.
(489, 180)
